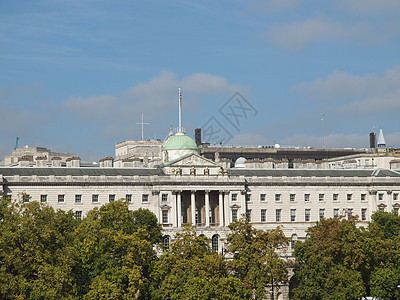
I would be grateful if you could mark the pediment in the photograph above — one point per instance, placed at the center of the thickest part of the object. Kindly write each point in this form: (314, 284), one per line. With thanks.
(193, 160)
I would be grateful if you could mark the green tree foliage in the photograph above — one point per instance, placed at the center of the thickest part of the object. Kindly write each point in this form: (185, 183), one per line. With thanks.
(331, 261)
(191, 270)
(48, 254)
(256, 262)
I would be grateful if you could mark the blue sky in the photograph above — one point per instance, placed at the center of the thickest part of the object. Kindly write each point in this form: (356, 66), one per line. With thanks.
(75, 76)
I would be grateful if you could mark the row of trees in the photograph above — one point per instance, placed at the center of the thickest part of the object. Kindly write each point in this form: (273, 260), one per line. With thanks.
(111, 254)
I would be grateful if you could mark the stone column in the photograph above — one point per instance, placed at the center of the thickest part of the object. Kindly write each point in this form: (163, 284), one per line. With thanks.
(173, 212)
(179, 208)
(221, 208)
(193, 207)
(242, 199)
(227, 208)
(207, 207)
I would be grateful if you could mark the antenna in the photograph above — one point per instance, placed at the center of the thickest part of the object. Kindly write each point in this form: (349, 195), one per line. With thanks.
(142, 123)
(323, 130)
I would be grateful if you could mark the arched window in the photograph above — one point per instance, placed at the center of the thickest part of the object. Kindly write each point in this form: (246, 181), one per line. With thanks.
(293, 240)
(166, 242)
(214, 242)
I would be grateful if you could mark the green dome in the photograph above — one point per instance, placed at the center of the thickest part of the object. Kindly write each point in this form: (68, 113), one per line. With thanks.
(180, 141)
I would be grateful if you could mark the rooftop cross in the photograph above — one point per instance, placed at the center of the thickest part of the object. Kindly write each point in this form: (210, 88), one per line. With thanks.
(142, 123)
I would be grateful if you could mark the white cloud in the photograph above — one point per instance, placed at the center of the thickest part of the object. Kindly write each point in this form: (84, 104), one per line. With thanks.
(296, 35)
(369, 93)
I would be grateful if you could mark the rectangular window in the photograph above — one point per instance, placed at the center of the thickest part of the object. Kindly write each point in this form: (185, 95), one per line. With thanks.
(321, 213)
(277, 197)
(262, 197)
(164, 197)
(111, 198)
(292, 197)
(248, 197)
(78, 214)
(145, 197)
(306, 197)
(263, 215)
(248, 215)
(165, 216)
(128, 197)
(335, 197)
(43, 198)
(278, 213)
(61, 198)
(349, 212)
(336, 213)
(395, 196)
(363, 197)
(307, 215)
(293, 215)
(234, 197)
(363, 214)
(95, 198)
(234, 215)
(78, 198)
(321, 197)
(26, 198)
(380, 196)
(349, 197)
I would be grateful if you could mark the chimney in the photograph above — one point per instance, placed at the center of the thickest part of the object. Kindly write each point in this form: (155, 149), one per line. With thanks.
(372, 140)
(197, 136)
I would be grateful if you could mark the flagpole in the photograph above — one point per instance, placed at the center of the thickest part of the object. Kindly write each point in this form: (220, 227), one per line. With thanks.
(180, 111)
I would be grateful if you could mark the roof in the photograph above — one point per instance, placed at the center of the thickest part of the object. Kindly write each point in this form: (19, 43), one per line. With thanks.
(180, 141)
(80, 171)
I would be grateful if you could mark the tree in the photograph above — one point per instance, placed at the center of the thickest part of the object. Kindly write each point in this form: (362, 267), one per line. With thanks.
(191, 270)
(35, 247)
(331, 263)
(256, 259)
(114, 253)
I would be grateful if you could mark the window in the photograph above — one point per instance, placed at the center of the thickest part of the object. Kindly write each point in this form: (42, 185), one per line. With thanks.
(395, 196)
(234, 215)
(43, 198)
(164, 197)
(321, 197)
(248, 215)
(277, 197)
(380, 196)
(278, 213)
(234, 197)
(128, 197)
(335, 197)
(111, 198)
(307, 214)
(145, 197)
(61, 198)
(214, 242)
(293, 215)
(292, 197)
(248, 197)
(262, 197)
(78, 198)
(349, 197)
(25, 198)
(95, 198)
(363, 197)
(336, 213)
(293, 240)
(349, 212)
(166, 242)
(78, 214)
(363, 214)
(263, 215)
(321, 213)
(306, 197)
(165, 216)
